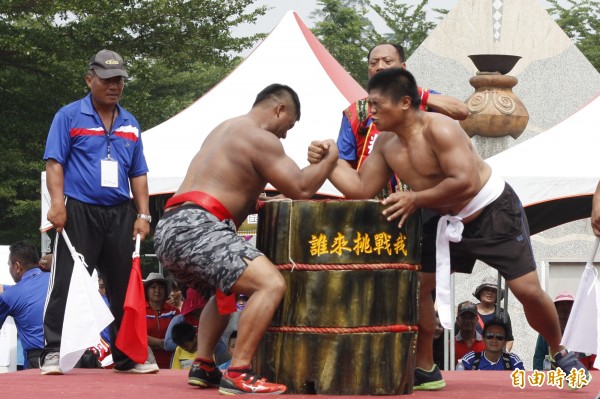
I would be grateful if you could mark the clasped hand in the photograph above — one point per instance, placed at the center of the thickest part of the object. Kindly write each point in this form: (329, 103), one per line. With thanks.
(320, 149)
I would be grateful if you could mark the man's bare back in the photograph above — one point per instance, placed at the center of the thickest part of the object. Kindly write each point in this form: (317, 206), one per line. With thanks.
(225, 165)
(241, 155)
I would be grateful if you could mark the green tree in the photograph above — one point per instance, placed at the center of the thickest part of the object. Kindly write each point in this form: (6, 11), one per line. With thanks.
(409, 24)
(346, 31)
(347, 34)
(175, 49)
(581, 22)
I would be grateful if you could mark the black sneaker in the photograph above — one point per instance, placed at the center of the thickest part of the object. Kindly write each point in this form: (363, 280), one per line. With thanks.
(428, 380)
(568, 361)
(204, 377)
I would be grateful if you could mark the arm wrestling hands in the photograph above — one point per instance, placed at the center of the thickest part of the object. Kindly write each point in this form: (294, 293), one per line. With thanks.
(318, 149)
(369, 181)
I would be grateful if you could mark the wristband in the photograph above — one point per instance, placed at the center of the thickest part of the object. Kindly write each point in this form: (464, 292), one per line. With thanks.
(147, 218)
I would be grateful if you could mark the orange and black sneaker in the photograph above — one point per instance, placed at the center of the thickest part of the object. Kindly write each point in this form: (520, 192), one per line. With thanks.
(204, 375)
(248, 383)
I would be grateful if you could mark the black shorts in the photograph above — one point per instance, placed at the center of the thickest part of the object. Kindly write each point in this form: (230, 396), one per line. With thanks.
(499, 236)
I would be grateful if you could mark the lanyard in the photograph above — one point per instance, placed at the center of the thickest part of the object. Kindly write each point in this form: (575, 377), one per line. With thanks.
(107, 132)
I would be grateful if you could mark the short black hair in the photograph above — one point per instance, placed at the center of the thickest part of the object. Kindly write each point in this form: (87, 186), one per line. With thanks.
(276, 90)
(182, 333)
(396, 83)
(496, 321)
(398, 48)
(25, 253)
(233, 335)
(174, 284)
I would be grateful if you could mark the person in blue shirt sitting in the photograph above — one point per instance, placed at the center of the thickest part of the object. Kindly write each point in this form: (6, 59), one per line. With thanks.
(25, 300)
(493, 357)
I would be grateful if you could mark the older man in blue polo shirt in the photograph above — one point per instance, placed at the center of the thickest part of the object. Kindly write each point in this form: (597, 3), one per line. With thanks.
(24, 301)
(94, 157)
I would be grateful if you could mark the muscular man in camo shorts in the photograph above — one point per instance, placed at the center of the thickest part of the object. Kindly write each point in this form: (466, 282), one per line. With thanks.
(196, 238)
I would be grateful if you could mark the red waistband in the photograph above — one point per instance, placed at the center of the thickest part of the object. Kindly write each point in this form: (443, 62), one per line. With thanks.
(225, 303)
(204, 200)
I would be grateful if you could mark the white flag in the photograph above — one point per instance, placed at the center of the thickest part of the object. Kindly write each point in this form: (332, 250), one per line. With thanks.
(581, 332)
(86, 314)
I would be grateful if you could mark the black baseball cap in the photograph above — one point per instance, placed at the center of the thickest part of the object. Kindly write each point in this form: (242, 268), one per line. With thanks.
(108, 64)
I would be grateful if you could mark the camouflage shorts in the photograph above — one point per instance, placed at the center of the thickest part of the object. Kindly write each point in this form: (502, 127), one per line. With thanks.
(201, 251)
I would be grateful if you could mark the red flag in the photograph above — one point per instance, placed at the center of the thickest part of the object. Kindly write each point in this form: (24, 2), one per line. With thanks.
(132, 339)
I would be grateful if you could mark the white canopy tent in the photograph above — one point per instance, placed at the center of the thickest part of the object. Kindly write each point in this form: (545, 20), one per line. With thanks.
(556, 171)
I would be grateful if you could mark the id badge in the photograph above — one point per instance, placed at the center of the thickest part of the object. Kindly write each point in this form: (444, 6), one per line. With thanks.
(109, 173)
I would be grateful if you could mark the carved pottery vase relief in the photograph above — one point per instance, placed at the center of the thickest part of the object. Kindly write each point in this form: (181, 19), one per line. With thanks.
(494, 110)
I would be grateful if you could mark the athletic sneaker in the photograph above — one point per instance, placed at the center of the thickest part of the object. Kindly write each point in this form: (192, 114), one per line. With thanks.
(428, 380)
(567, 361)
(200, 377)
(146, 368)
(149, 366)
(248, 382)
(50, 364)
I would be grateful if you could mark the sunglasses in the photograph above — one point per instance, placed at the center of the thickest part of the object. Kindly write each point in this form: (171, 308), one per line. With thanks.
(499, 337)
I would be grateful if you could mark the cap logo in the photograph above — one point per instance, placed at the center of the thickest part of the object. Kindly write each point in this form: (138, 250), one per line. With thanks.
(111, 62)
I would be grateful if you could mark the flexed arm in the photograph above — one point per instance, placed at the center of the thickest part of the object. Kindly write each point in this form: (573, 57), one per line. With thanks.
(363, 184)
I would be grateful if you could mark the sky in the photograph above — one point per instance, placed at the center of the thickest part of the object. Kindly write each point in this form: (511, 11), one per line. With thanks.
(304, 8)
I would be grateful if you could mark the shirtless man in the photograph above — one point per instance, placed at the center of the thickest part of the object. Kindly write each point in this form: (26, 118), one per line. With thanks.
(196, 239)
(435, 157)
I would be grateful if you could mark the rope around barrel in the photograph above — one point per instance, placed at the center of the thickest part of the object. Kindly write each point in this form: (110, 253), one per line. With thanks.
(395, 328)
(348, 266)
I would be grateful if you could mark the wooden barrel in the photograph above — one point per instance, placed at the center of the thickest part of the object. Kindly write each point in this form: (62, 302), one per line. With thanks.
(347, 324)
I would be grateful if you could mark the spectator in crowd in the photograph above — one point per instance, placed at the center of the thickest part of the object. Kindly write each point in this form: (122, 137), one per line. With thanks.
(467, 338)
(105, 334)
(241, 302)
(94, 165)
(25, 300)
(563, 303)
(230, 348)
(175, 296)
(438, 343)
(185, 336)
(232, 325)
(158, 316)
(192, 307)
(493, 357)
(487, 294)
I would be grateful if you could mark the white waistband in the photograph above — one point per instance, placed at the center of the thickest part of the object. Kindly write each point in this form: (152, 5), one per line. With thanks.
(449, 229)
